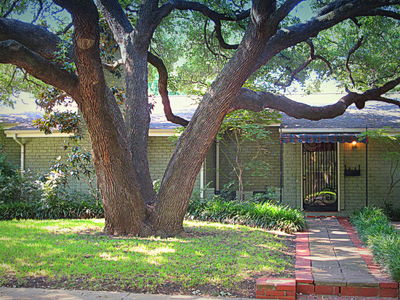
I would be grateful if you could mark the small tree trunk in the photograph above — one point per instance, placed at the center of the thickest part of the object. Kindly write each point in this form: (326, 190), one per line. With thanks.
(239, 166)
(240, 186)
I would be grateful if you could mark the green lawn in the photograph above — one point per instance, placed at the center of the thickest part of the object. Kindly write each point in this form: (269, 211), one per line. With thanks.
(211, 258)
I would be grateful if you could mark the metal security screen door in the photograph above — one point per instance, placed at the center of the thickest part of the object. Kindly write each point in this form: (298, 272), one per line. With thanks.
(320, 182)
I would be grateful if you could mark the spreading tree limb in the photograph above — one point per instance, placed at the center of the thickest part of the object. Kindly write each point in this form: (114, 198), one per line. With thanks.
(329, 16)
(13, 52)
(385, 13)
(36, 38)
(258, 101)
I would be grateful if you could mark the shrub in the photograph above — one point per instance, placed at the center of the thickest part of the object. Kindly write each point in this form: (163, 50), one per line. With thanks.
(76, 206)
(17, 187)
(265, 215)
(376, 231)
(28, 196)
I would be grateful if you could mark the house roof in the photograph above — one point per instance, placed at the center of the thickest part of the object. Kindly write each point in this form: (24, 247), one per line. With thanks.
(374, 115)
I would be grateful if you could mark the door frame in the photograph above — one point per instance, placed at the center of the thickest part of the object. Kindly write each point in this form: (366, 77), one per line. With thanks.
(339, 202)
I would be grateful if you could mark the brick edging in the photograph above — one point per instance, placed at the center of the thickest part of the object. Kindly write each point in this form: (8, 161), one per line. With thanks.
(303, 273)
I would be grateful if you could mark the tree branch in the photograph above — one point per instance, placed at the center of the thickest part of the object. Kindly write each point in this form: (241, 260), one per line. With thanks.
(388, 100)
(65, 30)
(208, 45)
(216, 17)
(163, 89)
(38, 12)
(385, 13)
(261, 10)
(220, 38)
(258, 101)
(284, 10)
(13, 52)
(338, 11)
(37, 38)
(167, 8)
(162, 86)
(9, 11)
(353, 49)
(311, 58)
(116, 18)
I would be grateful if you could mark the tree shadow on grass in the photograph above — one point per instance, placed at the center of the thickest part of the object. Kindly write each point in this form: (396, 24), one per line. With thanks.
(210, 258)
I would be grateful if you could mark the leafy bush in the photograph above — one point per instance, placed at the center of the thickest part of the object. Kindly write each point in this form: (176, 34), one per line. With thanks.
(78, 206)
(375, 230)
(26, 196)
(265, 215)
(15, 187)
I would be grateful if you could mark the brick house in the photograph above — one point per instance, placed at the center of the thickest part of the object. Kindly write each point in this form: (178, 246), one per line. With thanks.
(318, 166)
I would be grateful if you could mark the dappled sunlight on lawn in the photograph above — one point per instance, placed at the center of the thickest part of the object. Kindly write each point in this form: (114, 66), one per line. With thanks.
(109, 256)
(152, 252)
(65, 252)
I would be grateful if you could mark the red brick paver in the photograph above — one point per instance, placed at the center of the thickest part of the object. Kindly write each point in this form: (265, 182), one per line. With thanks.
(331, 263)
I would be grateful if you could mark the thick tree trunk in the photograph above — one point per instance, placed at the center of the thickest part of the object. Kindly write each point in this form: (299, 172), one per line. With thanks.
(118, 182)
(124, 206)
(191, 150)
(137, 114)
(180, 176)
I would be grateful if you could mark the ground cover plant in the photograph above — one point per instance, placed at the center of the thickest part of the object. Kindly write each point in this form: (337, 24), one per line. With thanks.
(58, 209)
(209, 258)
(375, 230)
(264, 214)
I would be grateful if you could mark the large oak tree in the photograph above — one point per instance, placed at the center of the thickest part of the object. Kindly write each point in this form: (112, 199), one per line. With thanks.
(271, 43)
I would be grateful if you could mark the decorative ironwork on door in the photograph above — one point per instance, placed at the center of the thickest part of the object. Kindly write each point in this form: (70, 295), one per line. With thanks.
(320, 182)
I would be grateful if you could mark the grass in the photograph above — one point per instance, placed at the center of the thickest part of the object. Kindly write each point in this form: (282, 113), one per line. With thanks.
(376, 231)
(210, 258)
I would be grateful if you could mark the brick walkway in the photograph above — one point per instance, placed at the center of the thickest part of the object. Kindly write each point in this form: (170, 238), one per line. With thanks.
(340, 265)
(331, 263)
(334, 257)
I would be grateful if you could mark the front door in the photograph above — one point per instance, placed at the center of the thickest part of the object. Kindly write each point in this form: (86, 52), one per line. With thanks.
(320, 182)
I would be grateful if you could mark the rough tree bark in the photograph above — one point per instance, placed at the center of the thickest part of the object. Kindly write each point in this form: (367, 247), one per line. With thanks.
(120, 144)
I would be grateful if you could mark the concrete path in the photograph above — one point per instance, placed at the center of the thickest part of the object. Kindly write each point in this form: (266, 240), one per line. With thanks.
(335, 259)
(46, 294)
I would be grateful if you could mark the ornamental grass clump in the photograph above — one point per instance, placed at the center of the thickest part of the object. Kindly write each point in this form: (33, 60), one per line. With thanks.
(376, 231)
(265, 215)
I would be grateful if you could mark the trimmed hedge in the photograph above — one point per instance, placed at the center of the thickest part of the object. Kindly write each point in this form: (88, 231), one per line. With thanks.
(55, 210)
(376, 231)
(266, 215)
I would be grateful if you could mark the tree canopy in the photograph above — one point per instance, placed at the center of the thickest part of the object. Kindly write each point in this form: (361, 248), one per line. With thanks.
(237, 54)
